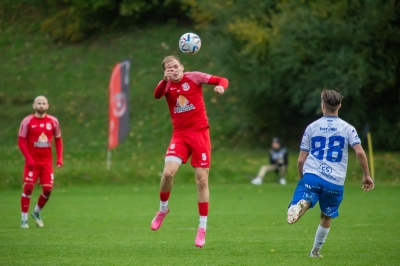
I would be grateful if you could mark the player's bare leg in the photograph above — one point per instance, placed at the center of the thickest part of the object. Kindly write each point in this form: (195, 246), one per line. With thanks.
(296, 211)
(203, 196)
(320, 235)
(167, 178)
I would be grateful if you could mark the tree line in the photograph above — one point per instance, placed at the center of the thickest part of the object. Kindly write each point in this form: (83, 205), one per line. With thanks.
(281, 53)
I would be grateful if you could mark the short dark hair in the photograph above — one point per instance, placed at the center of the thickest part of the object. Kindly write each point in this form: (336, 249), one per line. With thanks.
(331, 99)
(277, 140)
(169, 58)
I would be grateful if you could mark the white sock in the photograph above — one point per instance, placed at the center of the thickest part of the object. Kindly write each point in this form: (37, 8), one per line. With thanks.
(203, 222)
(163, 206)
(37, 209)
(24, 216)
(320, 237)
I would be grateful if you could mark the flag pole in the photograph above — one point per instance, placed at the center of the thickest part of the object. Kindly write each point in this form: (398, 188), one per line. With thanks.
(108, 160)
(371, 155)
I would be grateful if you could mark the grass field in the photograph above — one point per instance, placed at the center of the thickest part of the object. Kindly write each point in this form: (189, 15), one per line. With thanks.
(99, 217)
(110, 225)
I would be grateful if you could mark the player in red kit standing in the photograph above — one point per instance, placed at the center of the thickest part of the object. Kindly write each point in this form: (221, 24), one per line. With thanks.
(34, 140)
(190, 136)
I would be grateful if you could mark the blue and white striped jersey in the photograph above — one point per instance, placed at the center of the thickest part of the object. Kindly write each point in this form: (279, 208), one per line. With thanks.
(326, 140)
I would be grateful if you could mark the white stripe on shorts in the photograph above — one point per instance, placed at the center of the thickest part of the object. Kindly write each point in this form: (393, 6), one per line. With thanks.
(173, 159)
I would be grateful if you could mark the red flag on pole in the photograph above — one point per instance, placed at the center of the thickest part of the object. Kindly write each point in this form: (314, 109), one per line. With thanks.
(118, 104)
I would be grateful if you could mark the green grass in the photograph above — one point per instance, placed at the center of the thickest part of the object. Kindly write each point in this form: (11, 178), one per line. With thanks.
(110, 225)
(229, 165)
(99, 217)
(75, 79)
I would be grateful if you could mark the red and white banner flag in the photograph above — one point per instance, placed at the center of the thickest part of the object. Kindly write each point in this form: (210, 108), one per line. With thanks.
(118, 126)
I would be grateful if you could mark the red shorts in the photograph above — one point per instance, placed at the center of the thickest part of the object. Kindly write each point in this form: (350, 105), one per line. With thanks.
(43, 171)
(196, 144)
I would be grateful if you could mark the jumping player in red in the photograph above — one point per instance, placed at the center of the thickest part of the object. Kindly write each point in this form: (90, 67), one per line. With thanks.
(190, 136)
(34, 140)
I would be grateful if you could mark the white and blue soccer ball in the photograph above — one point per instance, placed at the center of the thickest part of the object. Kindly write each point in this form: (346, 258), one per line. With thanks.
(190, 43)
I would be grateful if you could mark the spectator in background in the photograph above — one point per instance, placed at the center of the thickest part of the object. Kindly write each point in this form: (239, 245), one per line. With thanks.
(278, 162)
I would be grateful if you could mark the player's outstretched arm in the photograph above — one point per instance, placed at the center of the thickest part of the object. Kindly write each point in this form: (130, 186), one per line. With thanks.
(222, 83)
(367, 181)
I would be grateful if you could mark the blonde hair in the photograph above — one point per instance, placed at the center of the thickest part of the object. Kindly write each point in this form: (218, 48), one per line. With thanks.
(331, 99)
(170, 58)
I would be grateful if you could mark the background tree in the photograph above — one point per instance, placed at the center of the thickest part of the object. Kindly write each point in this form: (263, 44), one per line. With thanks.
(76, 20)
(279, 53)
(285, 52)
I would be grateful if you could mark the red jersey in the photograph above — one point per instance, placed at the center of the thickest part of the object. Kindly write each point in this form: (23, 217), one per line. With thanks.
(185, 100)
(39, 133)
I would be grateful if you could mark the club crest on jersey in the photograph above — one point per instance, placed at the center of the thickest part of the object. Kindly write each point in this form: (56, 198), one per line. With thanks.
(185, 86)
(183, 105)
(48, 126)
(43, 141)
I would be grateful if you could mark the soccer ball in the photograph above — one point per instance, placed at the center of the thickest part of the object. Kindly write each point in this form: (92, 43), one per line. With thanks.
(189, 43)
